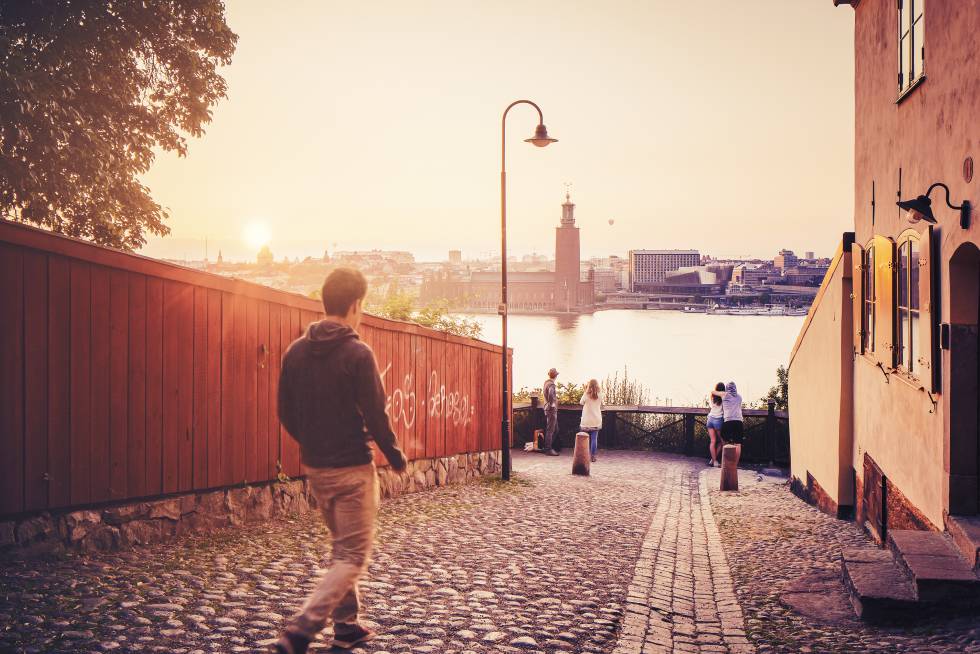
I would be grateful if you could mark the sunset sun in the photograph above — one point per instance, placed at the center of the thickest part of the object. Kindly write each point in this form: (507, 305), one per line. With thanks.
(257, 234)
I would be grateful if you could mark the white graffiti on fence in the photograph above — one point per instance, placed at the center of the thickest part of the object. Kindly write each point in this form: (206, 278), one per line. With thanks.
(401, 402)
(454, 405)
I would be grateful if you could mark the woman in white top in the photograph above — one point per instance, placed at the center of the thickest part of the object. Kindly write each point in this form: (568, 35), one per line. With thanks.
(592, 415)
(716, 416)
(732, 429)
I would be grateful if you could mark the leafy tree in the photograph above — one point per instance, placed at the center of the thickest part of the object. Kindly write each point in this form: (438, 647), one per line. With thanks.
(88, 90)
(401, 306)
(778, 394)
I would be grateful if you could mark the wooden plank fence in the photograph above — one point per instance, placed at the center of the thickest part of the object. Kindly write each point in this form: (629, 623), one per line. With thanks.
(124, 377)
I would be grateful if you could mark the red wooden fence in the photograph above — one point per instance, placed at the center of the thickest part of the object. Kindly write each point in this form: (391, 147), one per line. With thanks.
(123, 377)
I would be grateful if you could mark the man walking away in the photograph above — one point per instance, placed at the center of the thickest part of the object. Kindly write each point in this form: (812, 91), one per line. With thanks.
(550, 412)
(331, 401)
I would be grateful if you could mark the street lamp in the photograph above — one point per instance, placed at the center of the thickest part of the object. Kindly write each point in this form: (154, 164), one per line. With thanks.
(920, 208)
(540, 139)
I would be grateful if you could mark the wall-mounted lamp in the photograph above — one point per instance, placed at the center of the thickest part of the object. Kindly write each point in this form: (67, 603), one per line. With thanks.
(921, 207)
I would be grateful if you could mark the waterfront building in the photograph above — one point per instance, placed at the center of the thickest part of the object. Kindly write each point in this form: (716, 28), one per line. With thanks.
(455, 257)
(884, 375)
(565, 289)
(808, 255)
(606, 280)
(690, 284)
(649, 267)
(747, 275)
(785, 259)
(264, 257)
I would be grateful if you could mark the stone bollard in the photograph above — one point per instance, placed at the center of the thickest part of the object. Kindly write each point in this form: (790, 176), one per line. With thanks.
(581, 460)
(729, 468)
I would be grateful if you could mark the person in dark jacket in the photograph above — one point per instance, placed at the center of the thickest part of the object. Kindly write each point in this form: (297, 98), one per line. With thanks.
(332, 402)
(550, 412)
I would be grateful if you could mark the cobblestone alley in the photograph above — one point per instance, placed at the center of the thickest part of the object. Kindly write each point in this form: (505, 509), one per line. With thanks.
(641, 557)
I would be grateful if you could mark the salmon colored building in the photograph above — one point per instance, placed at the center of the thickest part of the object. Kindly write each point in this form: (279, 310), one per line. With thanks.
(884, 375)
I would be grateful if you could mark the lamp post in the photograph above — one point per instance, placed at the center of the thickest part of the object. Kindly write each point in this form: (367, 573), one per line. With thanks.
(920, 208)
(540, 139)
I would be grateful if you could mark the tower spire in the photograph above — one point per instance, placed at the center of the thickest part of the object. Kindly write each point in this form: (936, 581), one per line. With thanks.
(568, 208)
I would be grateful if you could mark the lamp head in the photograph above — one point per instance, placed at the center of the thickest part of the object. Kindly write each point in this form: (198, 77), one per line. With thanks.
(541, 138)
(918, 209)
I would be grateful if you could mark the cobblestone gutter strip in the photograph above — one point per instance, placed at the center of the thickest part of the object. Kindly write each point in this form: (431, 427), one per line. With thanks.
(681, 597)
(784, 557)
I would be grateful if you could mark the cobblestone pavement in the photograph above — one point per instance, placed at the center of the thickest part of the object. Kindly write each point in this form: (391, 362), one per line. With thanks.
(681, 598)
(784, 556)
(628, 561)
(541, 565)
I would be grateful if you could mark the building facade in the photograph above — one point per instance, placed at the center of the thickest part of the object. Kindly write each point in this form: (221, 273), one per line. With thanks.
(884, 375)
(566, 289)
(649, 267)
(785, 259)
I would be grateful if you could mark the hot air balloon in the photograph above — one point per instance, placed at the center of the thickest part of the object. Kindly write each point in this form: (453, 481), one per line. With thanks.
(611, 221)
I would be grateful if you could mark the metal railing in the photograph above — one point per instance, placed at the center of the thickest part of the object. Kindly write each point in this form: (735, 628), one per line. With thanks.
(681, 430)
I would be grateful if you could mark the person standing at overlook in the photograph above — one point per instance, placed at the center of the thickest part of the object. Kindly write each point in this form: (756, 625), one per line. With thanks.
(591, 415)
(732, 429)
(332, 402)
(716, 417)
(550, 392)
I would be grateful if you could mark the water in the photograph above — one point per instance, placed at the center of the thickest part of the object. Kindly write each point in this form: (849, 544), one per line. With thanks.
(677, 356)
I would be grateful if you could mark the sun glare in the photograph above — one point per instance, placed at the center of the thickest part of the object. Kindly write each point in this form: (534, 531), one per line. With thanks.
(257, 234)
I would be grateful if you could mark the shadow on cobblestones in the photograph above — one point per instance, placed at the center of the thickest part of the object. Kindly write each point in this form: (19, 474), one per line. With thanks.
(540, 565)
(784, 554)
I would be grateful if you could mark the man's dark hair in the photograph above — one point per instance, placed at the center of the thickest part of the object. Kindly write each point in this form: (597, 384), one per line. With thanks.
(341, 289)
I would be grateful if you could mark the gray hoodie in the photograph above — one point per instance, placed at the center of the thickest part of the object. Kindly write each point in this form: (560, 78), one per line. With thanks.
(331, 400)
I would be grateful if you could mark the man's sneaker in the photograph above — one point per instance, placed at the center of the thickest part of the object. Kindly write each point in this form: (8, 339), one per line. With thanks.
(551, 453)
(711, 463)
(347, 636)
(291, 644)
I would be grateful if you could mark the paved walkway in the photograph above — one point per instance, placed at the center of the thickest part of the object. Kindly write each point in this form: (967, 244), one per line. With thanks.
(543, 564)
(785, 562)
(681, 598)
(628, 561)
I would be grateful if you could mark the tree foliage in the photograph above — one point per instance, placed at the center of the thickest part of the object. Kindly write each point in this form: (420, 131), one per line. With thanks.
(88, 90)
(778, 394)
(402, 306)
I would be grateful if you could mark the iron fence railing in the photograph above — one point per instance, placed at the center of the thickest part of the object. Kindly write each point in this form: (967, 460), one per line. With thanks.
(681, 430)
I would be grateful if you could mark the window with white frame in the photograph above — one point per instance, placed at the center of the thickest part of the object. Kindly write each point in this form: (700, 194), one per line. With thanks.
(907, 308)
(911, 43)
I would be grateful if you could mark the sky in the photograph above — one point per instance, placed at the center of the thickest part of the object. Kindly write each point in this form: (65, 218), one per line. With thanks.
(720, 125)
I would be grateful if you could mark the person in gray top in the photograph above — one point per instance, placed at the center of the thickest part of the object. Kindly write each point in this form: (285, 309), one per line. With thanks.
(550, 412)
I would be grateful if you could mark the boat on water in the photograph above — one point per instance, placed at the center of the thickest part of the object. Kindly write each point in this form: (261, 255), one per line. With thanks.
(768, 310)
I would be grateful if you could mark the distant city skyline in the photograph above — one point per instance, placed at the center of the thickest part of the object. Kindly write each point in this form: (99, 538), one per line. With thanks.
(193, 250)
(726, 126)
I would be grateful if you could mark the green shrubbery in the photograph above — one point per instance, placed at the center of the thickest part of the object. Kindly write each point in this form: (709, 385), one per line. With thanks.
(402, 306)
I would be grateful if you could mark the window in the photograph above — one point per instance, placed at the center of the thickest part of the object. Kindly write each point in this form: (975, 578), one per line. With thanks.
(907, 318)
(868, 318)
(911, 49)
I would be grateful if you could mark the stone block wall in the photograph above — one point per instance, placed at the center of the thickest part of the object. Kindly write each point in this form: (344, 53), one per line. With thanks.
(155, 521)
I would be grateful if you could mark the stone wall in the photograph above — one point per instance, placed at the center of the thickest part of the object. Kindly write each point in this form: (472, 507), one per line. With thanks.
(155, 521)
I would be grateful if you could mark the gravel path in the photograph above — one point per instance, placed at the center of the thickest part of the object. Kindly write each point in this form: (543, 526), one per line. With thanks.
(784, 557)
